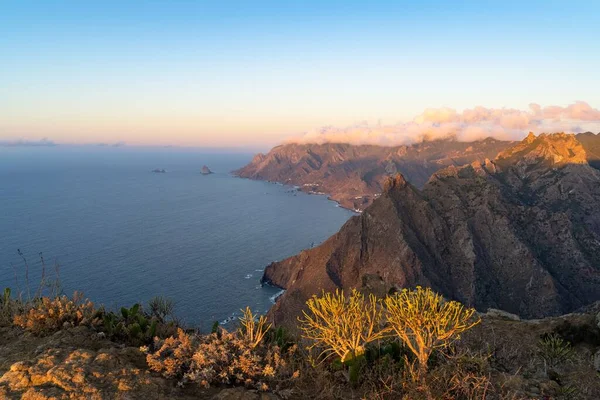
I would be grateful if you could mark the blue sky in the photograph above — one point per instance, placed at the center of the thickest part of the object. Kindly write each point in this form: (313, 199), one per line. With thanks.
(253, 73)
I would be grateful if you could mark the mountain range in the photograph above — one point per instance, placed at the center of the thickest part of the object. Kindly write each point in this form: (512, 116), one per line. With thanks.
(519, 232)
(353, 175)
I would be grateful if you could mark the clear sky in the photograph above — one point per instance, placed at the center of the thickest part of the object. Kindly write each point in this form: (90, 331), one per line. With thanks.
(252, 73)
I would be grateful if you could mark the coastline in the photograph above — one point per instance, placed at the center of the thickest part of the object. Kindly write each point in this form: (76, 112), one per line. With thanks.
(264, 281)
(304, 190)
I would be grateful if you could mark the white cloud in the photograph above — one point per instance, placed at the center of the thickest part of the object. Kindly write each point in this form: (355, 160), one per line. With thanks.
(470, 124)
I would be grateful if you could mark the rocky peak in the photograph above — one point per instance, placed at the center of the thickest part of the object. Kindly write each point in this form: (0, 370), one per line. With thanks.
(553, 150)
(395, 182)
(530, 138)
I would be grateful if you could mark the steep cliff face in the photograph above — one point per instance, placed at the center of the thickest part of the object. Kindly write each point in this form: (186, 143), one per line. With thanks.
(591, 144)
(520, 233)
(354, 175)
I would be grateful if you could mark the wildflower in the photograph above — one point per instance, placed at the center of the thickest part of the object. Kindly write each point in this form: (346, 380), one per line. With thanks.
(268, 371)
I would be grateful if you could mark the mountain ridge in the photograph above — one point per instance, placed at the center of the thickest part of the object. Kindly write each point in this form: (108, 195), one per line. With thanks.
(520, 233)
(353, 175)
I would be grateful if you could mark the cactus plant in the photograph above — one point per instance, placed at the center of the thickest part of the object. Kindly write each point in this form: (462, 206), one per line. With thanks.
(133, 325)
(6, 296)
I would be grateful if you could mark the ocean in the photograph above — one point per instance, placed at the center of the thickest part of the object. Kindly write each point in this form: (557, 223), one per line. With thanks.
(122, 234)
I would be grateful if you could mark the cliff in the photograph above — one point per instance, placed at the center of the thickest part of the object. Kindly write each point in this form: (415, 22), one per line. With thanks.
(520, 233)
(354, 175)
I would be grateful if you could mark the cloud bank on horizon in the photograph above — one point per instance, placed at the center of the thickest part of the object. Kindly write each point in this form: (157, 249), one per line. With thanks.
(45, 142)
(470, 124)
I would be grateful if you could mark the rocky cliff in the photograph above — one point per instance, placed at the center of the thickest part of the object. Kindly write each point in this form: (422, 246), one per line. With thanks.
(354, 175)
(520, 233)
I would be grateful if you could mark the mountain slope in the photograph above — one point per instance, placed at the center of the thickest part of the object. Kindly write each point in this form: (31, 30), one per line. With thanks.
(520, 233)
(591, 144)
(354, 175)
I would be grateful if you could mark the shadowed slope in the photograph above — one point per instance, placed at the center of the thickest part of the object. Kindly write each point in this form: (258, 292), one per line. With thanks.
(519, 233)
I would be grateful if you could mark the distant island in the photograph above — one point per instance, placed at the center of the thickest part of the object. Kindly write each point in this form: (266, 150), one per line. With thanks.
(205, 170)
(159, 171)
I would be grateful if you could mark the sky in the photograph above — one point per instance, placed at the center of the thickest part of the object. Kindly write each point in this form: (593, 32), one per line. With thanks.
(257, 73)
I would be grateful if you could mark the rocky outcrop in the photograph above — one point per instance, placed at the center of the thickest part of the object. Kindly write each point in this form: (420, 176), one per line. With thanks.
(591, 144)
(205, 170)
(73, 363)
(520, 233)
(354, 175)
(79, 363)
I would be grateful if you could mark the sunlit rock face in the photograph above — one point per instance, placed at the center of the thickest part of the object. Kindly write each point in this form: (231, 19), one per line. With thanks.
(354, 175)
(519, 232)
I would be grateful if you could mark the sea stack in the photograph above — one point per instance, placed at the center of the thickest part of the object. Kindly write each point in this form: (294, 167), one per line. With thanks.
(159, 171)
(205, 170)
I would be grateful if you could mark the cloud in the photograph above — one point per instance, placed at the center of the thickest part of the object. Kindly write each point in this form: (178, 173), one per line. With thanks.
(116, 144)
(470, 124)
(27, 143)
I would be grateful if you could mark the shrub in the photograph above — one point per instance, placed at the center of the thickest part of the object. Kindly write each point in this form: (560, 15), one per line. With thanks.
(6, 307)
(231, 359)
(47, 315)
(136, 327)
(161, 308)
(253, 328)
(425, 322)
(342, 326)
(173, 355)
(554, 350)
(223, 357)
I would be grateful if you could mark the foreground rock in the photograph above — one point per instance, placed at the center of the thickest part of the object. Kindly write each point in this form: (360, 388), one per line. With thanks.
(76, 363)
(520, 233)
(519, 363)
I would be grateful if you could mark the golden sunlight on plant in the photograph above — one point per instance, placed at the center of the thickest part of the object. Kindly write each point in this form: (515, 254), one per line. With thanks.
(221, 358)
(424, 321)
(340, 325)
(172, 355)
(47, 315)
(253, 329)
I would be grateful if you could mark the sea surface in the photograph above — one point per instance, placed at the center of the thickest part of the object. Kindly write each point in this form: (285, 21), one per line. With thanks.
(122, 234)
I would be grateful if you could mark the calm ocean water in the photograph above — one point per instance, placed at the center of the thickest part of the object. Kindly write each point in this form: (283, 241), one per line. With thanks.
(123, 234)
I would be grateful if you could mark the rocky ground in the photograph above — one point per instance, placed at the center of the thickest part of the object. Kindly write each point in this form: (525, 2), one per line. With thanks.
(78, 363)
